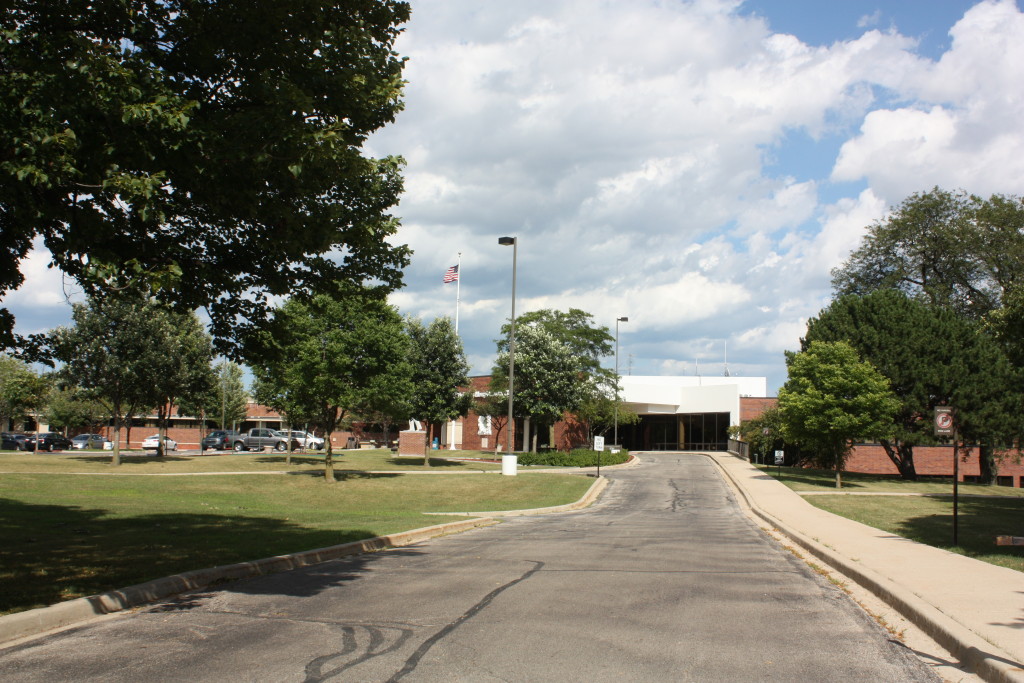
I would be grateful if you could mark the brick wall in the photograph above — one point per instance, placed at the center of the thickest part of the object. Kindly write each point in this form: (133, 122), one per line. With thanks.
(932, 461)
(752, 408)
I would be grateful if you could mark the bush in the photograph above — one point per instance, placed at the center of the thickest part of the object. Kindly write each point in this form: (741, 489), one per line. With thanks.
(580, 457)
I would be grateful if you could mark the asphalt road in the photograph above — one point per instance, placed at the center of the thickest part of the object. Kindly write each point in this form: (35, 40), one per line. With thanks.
(664, 579)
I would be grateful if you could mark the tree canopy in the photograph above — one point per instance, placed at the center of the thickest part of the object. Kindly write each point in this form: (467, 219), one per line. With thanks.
(833, 398)
(206, 153)
(950, 249)
(329, 358)
(923, 350)
(438, 369)
(593, 396)
(114, 351)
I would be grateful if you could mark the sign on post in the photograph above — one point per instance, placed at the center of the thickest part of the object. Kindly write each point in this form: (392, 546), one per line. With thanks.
(779, 457)
(943, 421)
(598, 443)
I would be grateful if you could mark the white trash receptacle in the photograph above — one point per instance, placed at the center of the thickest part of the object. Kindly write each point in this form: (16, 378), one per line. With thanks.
(509, 464)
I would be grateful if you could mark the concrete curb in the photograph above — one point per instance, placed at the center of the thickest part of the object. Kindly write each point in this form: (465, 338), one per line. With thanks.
(588, 498)
(64, 614)
(963, 643)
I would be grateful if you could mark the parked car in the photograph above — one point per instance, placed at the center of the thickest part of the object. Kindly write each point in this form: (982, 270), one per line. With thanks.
(12, 441)
(151, 443)
(305, 439)
(48, 441)
(258, 439)
(83, 441)
(219, 440)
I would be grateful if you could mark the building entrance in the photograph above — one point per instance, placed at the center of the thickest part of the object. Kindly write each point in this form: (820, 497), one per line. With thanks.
(686, 432)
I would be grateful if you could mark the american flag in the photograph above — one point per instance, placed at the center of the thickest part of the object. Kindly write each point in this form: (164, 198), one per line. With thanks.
(452, 274)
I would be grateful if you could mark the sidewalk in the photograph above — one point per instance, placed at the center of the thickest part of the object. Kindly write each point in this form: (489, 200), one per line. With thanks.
(973, 609)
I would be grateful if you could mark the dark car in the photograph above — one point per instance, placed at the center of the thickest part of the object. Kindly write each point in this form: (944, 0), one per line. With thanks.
(219, 440)
(48, 441)
(13, 441)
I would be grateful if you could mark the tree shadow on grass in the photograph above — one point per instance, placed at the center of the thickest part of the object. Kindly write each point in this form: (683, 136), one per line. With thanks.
(409, 461)
(303, 459)
(131, 458)
(53, 553)
(980, 521)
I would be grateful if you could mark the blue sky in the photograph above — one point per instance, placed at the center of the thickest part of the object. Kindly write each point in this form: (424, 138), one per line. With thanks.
(699, 167)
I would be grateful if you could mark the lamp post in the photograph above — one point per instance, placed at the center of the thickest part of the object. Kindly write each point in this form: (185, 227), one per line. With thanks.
(623, 319)
(509, 441)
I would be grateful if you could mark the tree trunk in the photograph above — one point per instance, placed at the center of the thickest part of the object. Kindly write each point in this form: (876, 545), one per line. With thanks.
(328, 459)
(988, 467)
(902, 455)
(427, 431)
(288, 452)
(115, 455)
(161, 430)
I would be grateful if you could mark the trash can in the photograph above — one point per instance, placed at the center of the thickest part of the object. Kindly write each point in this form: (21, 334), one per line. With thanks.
(436, 444)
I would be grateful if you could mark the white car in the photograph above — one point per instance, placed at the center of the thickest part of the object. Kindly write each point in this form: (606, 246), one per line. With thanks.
(153, 442)
(305, 439)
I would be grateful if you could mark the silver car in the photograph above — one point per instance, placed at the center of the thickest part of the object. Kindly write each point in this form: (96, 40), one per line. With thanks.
(305, 439)
(83, 441)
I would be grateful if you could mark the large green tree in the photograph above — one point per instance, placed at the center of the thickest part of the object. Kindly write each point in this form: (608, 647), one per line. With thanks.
(439, 368)
(547, 381)
(207, 153)
(831, 399)
(950, 249)
(332, 358)
(931, 356)
(596, 398)
(963, 253)
(114, 351)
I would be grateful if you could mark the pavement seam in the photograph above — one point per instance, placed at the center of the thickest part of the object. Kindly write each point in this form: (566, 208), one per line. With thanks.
(969, 646)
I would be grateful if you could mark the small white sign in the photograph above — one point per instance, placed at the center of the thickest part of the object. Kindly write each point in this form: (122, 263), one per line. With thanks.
(598, 443)
(779, 457)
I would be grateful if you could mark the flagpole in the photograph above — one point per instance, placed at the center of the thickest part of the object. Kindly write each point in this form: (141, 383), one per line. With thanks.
(458, 298)
(458, 293)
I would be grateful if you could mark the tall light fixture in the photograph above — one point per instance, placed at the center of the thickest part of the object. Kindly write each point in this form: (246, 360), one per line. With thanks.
(509, 440)
(623, 319)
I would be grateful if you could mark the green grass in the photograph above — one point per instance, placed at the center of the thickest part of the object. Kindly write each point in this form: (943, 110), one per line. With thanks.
(800, 479)
(64, 536)
(930, 521)
(984, 512)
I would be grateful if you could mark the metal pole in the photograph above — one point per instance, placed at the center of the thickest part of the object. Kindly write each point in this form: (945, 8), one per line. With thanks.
(617, 321)
(509, 439)
(956, 480)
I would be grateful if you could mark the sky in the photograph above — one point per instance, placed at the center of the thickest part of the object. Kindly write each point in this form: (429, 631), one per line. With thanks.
(699, 167)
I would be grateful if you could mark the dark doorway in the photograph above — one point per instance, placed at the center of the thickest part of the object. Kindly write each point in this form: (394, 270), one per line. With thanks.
(705, 431)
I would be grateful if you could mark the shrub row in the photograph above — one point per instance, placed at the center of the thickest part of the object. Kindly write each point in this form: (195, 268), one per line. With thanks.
(581, 457)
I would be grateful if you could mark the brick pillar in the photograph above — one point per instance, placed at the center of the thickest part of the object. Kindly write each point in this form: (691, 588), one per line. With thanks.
(412, 442)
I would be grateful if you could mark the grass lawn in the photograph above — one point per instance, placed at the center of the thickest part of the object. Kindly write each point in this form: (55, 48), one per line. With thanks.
(64, 535)
(983, 513)
(225, 461)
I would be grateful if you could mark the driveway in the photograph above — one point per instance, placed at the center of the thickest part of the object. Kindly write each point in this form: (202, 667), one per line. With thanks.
(664, 579)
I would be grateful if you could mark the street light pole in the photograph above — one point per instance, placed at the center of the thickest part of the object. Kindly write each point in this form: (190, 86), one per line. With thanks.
(509, 440)
(623, 319)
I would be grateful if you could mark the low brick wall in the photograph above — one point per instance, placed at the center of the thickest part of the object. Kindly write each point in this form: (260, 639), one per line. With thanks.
(411, 443)
(933, 461)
